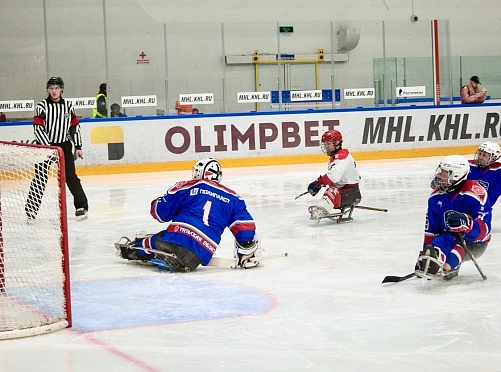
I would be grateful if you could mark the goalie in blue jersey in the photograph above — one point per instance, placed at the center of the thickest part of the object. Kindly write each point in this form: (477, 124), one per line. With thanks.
(459, 212)
(199, 210)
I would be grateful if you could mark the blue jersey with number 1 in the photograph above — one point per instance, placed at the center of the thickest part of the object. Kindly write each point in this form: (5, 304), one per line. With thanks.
(199, 211)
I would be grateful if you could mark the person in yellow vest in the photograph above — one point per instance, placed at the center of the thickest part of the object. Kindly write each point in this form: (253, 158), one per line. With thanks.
(101, 109)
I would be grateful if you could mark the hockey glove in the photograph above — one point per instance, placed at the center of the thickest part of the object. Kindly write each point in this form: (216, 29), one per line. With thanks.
(314, 187)
(244, 251)
(458, 222)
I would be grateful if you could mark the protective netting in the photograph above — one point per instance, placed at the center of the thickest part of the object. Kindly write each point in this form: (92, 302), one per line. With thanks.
(32, 279)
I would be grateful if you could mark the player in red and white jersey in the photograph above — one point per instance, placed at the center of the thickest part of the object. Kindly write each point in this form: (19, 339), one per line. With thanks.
(342, 178)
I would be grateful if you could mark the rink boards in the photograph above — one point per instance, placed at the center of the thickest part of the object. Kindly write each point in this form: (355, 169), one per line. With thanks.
(142, 144)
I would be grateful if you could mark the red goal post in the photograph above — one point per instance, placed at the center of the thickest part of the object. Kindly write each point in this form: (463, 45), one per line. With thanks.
(34, 258)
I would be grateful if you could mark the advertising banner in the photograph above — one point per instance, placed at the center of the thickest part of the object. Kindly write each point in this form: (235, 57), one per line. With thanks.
(149, 140)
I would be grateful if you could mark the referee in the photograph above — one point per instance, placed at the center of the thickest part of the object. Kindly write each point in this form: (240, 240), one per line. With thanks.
(55, 124)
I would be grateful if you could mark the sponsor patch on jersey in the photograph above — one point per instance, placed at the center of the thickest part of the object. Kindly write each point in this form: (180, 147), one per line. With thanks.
(194, 191)
(185, 230)
(480, 191)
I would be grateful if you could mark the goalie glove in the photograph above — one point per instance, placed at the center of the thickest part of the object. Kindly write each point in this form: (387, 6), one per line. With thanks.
(314, 187)
(458, 222)
(244, 251)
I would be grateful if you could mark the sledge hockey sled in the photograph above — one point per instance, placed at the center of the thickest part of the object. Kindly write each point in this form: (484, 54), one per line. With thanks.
(168, 262)
(424, 264)
(318, 213)
(163, 260)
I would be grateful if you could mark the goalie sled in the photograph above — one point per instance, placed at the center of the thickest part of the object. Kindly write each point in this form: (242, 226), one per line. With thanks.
(167, 261)
(163, 260)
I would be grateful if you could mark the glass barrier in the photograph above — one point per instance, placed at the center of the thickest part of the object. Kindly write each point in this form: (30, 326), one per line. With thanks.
(22, 58)
(154, 68)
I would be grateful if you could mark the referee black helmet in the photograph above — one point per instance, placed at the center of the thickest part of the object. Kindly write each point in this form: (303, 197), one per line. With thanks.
(55, 81)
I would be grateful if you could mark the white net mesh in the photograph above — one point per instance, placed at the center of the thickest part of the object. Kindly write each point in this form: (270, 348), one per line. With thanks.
(32, 290)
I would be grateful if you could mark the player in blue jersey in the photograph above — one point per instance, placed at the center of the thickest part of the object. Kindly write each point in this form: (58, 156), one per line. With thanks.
(486, 170)
(456, 206)
(199, 210)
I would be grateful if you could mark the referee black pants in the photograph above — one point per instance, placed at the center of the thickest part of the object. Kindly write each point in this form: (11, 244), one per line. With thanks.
(72, 180)
(39, 182)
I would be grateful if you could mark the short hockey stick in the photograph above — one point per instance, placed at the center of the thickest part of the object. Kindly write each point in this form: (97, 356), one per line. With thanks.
(357, 206)
(371, 208)
(297, 197)
(230, 263)
(460, 239)
(396, 279)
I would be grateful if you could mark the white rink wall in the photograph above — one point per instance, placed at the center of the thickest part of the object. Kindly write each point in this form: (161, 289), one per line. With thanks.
(371, 133)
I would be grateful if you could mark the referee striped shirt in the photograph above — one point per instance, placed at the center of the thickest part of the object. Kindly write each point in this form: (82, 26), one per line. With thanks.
(56, 122)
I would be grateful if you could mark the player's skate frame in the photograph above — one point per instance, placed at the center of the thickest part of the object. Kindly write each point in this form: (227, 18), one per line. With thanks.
(429, 266)
(318, 212)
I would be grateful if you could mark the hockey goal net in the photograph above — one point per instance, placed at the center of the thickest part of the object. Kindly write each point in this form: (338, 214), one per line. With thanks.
(34, 267)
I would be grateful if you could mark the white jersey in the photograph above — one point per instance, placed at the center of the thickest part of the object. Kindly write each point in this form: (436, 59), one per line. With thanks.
(342, 169)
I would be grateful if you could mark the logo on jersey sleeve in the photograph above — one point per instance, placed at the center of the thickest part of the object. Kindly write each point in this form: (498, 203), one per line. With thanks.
(480, 191)
(340, 155)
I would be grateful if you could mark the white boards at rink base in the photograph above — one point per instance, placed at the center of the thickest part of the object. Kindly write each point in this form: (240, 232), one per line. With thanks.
(138, 144)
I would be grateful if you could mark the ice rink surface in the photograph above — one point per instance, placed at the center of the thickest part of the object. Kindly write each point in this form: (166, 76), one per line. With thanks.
(323, 308)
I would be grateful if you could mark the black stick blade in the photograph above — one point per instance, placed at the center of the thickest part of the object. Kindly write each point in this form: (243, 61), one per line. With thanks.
(396, 279)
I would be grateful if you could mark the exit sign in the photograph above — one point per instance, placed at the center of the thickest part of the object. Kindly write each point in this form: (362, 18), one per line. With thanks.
(286, 29)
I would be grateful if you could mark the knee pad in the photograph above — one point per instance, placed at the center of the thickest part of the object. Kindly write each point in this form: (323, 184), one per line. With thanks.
(332, 197)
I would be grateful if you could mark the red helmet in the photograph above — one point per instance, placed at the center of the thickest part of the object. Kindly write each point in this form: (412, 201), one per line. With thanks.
(331, 136)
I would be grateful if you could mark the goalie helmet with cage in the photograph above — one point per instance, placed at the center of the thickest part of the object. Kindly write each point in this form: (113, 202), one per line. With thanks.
(487, 154)
(451, 171)
(332, 140)
(207, 169)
